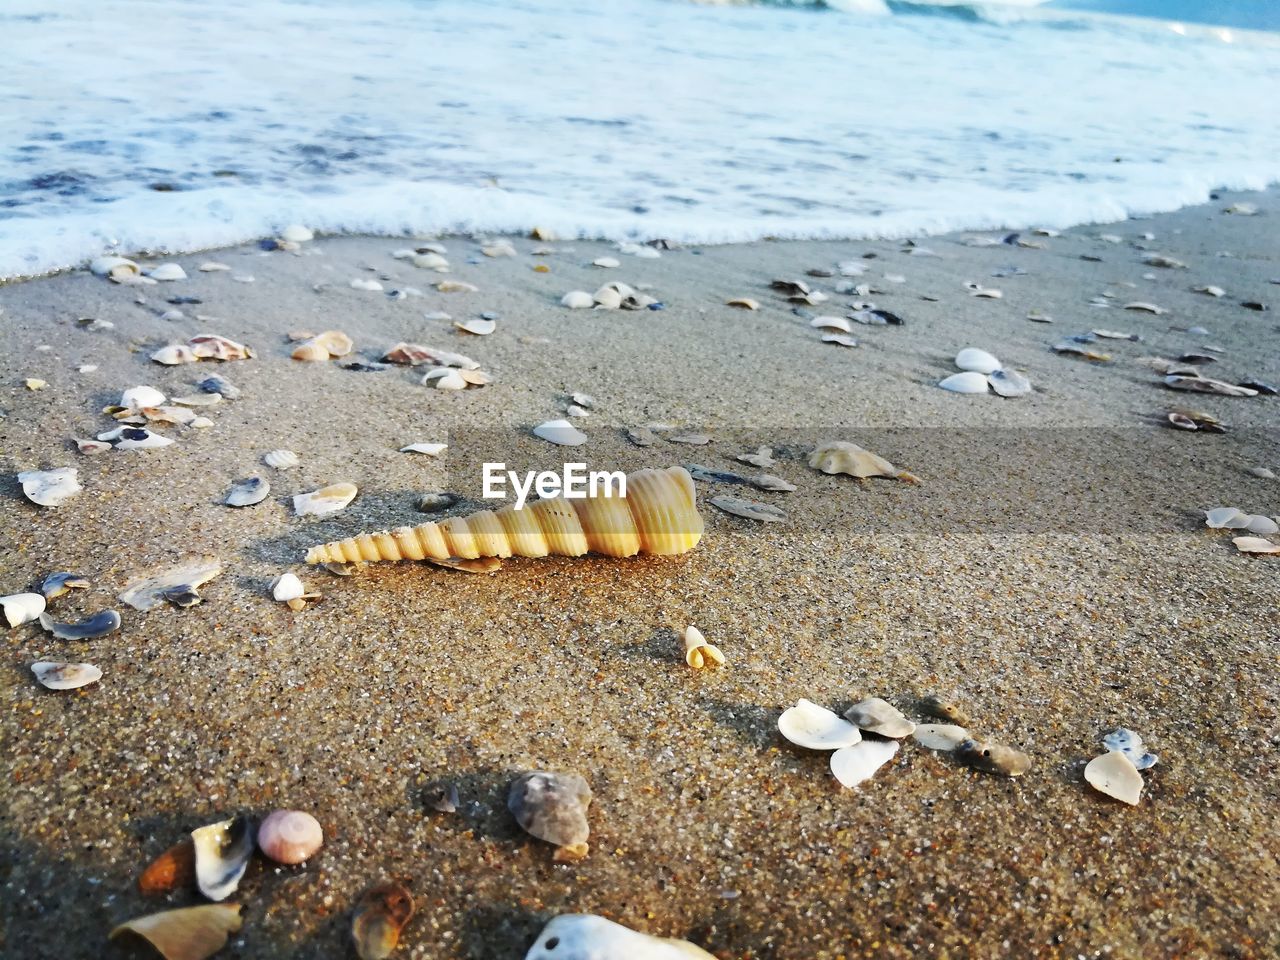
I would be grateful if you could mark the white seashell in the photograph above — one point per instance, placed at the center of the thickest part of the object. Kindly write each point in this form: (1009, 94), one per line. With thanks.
(326, 500)
(1194, 384)
(986, 293)
(167, 271)
(444, 378)
(697, 652)
(1130, 744)
(1242, 209)
(582, 936)
(831, 323)
(111, 266)
(851, 268)
(296, 233)
(431, 261)
(560, 432)
(1210, 290)
(20, 608)
(135, 398)
(175, 585)
(242, 277)
(281, 459)
(456, 286)
(50, 488)
(858, 763)
(1255, 545)
(607, 298)
(90, 447)
(479, 326)
(1261, 526)
(968, 382)
(1145, 307)
(430, 449)
(287, 587)
(879, 717)
(136, 438)
(940, 736)
(87, 368)
(65, 676)
(1009, 383)
(843, 339)
(211, 266)
(971, 358)
(362, 283)
(1114, 774)
(1263, 472)
(222, 855)
(174, 354)
(1225, 518)
(607, 262)
(817, 728)
(248, 492)
(577, 300)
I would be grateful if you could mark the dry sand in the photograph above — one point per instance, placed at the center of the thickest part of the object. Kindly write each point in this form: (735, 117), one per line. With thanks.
(1052, 572)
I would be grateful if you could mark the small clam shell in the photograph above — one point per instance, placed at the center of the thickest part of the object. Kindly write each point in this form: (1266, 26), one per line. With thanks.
(379, 917)
(248, 492)
(749, 509)
(135, 398)
(456, 286)
(167, 271)
(1255, 545)
(20, 608)
(940, 736)
(971, 358)
(433, 502)
(111, 266)
(296, 233)
(172, 870)
(281, 459)
(1009, 383)
(641, 436)
(210, 346)
(551, 806)
(326, 500)
(57, 584)
(1114, 774)
(99, 625)
(831, 323)
(1143, 307)
(222, 855)
(1226, 518)
(50, 488)
(857, 763)
(767, 481)
(91, 447)
(841, 456)
(697, 652)
(968, 382)
(430, 449)
(364, 283)
(1261, 526)
(65, 676)
(477, 326)
(429, 261)
(219, 385)
(606, 262)
(577, 300)
(878, 716)
(444, 378)
(499, 248)
(560, 432)
(990, 757)
(816, 728)
(189, 933)
(290, 836)
(743, 303)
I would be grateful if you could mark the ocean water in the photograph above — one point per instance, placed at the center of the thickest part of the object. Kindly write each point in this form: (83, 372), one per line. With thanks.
(175, 125)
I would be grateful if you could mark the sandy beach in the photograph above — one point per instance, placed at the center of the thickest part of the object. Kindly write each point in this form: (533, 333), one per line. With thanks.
(1052, 572)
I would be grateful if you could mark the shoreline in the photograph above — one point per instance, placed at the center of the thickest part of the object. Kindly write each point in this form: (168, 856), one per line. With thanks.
(706, 824)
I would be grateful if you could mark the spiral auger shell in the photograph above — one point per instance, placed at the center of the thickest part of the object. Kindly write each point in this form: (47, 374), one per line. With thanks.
(659, 515)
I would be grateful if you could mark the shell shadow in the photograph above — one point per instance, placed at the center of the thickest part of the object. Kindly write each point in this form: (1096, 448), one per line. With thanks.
(481, 804)
(756, 725)
(661, 646)
(499, 931)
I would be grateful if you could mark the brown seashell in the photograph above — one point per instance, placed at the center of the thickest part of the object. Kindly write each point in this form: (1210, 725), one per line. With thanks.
(414, 354)
(839, 456)
(380, 915)
(172, 870)
(659, 516)
(991, 757)
(210, 346)
(192, 933)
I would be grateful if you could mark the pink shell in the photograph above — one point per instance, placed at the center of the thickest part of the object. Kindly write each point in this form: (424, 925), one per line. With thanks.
(290, 836)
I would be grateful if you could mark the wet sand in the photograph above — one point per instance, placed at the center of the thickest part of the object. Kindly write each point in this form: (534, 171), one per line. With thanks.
(1050, 620)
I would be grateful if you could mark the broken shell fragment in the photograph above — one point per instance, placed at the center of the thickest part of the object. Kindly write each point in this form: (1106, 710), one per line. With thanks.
(1160, 260)
(1130, 744)
(114, 267)
(50, 488)
(816, 728)
(381, 914)
(280, 459)
(90, 447)
(1075, 348)
(880, 717)
(189, 933)
(247, 492)
(552, 807)
(1261, 526)
(1226, 518)
(20, 608)
(583, 936)
(219, 385)
(430, 449)
(839, 338)
(172, 870)
(762, 458)
(210, 346)
(1145, 308)
(841, 456)
(697, 652)
(287, 587)
(1207, 385)
(749, 509)
(135, 438)
(174, 354)
(991, 757)
(433, 502)
(290, 836)
(222, 855)
(560, 432)
(444, 378)
(1114, 774)
(968, 382)
(1255, 545)
(176, 585)
(1210, 290)
(331, 343)
(944, 709)
(65, 676)
(831, 323)
(858, 763)
(99, 625)
(743, 303)
(1009, 383)
(940, 736)
(456, 286)
(57, 584)
(478, 326)
(641, 436)
(326, 500)
(979, 361)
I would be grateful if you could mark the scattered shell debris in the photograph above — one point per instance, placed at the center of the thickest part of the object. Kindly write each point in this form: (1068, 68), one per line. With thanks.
(177, 585)
(324, 501)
